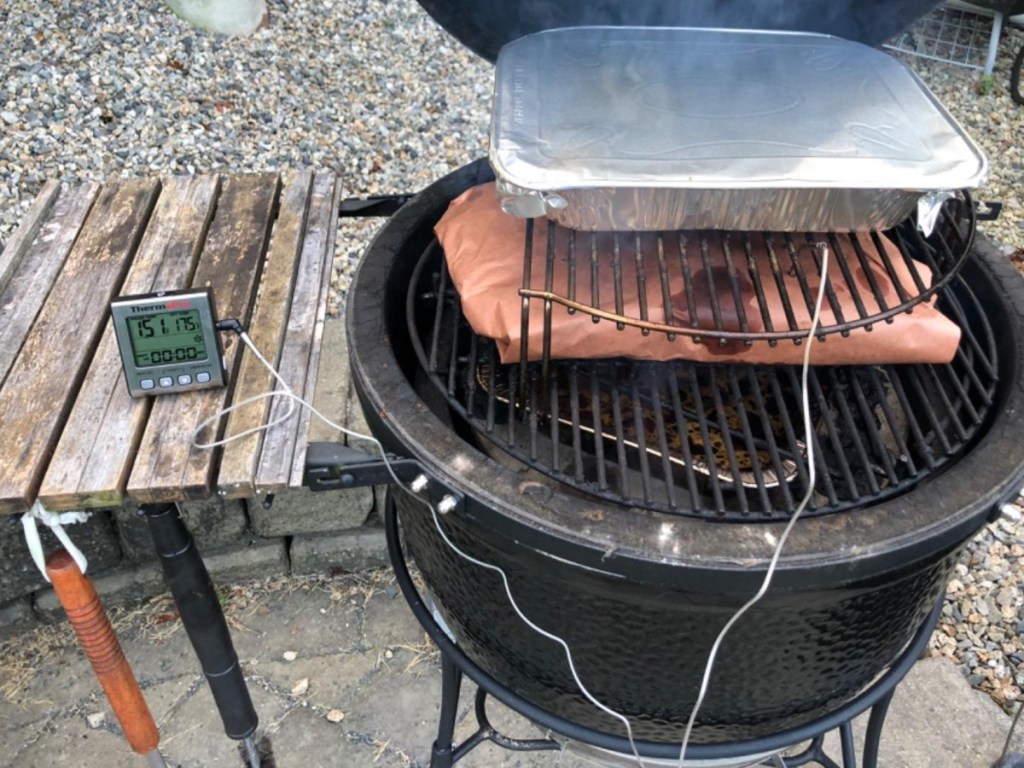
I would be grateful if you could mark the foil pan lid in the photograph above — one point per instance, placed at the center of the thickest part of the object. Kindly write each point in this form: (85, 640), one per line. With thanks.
(603, 107)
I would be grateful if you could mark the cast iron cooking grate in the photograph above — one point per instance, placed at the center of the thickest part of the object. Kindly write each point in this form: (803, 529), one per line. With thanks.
(714, 441)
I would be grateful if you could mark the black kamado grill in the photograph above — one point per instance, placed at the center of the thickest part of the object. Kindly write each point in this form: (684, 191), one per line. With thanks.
(621, 498)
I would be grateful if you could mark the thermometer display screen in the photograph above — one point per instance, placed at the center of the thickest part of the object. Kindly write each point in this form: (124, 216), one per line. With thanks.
(160, 338)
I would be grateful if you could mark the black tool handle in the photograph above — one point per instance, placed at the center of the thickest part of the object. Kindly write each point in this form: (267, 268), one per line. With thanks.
(202, 617)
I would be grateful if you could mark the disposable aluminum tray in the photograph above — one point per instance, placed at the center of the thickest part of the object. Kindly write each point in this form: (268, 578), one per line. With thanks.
(631, 128)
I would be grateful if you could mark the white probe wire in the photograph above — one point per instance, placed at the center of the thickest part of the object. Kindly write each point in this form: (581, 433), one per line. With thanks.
(293, 398)
(773, 563)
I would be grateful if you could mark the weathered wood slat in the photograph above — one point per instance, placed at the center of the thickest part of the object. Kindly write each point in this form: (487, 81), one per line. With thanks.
(313, 367)
(46, 242)
(35, 397)
(279, 441)
(90, 465)
(168, 467)
(236, 478)
(24, 235)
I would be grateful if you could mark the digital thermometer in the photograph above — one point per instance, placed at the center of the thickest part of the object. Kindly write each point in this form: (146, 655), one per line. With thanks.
(168, 342)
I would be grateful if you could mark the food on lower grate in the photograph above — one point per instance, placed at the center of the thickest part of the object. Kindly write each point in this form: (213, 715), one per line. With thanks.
(645, 422)
(685, 283)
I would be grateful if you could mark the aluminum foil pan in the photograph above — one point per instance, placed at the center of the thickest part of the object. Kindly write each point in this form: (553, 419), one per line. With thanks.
(636, 128)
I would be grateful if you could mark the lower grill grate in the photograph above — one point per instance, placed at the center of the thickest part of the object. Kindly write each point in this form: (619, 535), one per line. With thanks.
(713, 441)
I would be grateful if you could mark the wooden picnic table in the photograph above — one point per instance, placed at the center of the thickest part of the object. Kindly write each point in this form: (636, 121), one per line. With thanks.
(73, 438)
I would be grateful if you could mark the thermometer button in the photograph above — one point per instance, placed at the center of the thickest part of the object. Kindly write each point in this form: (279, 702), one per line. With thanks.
(185, 379)
(203, 377)
(147, 384)
(166, 381)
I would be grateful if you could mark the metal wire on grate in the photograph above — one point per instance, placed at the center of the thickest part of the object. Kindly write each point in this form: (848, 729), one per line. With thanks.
(965, 36)
(712, 441)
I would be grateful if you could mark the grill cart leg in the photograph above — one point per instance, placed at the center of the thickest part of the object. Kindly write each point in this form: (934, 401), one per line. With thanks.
(442, 751)
(204, 622)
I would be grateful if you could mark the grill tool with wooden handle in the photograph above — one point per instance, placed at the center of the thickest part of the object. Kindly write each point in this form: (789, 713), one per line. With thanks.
(85, 611)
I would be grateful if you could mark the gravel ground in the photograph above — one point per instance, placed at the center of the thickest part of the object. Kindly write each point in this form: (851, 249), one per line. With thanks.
(375, 91)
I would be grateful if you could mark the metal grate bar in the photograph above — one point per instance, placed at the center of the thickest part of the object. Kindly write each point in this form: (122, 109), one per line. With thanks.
(666, 286)
(532, 412)
(684, 265)
(917, 436)
(549, 282)
(492, 398)
(441, 289)
(641, 442)
(641, 282)
(571, 266)
(653, 386)
(709, 275)
(851, 284)
(726, 433)
(925, 253)
(853, 432)
(749, 442)
(838, 456)
(595, 410)
(867, 418)
(895, 428)
(705, 438)
(617, 275)
(577, 433)
(794, 445)
(554, 422)
(830, 291)
(951, 410)
(787, 305)
(453, 361)
(798, 270)
(931, 417)
(773, 447)
(734, 283)
(681, 423)
(524, 336)
(620, 440)
(862, 258)
(762, 301)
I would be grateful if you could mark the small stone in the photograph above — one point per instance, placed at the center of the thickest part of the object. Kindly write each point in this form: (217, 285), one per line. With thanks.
(9, 117)
(96, 719)
(335, 716)
(389, 654)
(289, 655)
(1006, 597)
(301, 687)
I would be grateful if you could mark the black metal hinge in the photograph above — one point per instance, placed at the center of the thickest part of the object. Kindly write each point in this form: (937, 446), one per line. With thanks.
(374, 205)
(331, 466)
(987, 210)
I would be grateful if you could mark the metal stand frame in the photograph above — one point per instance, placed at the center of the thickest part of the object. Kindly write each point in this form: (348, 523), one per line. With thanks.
(454, 664)
(204, 622)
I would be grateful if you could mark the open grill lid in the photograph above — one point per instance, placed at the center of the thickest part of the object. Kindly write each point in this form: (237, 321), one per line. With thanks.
(484, 26)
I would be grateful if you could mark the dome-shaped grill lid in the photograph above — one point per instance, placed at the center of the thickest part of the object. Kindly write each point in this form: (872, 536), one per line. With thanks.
(484, 27)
